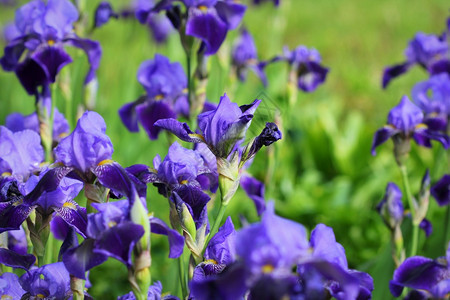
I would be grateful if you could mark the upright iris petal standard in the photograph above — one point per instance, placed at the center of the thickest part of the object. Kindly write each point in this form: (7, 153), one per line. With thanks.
(87, 145)
(405, 122)
(42, 31)
(427, 50)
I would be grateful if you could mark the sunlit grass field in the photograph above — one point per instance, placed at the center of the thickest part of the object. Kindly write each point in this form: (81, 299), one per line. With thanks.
(323, 171)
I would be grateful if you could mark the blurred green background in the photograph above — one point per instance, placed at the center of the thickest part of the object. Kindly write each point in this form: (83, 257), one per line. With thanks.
(322, 169)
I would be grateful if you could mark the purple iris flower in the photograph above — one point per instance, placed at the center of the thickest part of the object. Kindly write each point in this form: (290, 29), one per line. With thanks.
(18, 122)
(165, 84)
(208, 20)
(87, 146)
(220, 128)
(391, 207)
(427, 50)
(433, 97)
(48, 193)
(111, 233)
(431, 277)
(43, 31)
(49, 281)
(245, 57)
(10, 287)
(306, 68)
(20, 153)
(406, 121)
(441, 190)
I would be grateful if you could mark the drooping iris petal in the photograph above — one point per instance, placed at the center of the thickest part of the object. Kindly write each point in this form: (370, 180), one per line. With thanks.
(441, 190)
(13, 259)
(80, 259)
(31, 76)
(433, 95)
(59, 227)
(417, 272)
(150, 112)
(207, 25)
(394, 71)
(231, 13)
(176, 241)
(74, 215)
(87, 145)
(255, 191)
(119, 240)
(129, 116)
(181, 130)
(51, 60)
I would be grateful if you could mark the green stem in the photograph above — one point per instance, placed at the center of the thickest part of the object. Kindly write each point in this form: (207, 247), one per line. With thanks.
(217, 222)
(447, 224)
(189, 79)
(48, 255)
(181, 274)
(412, 208)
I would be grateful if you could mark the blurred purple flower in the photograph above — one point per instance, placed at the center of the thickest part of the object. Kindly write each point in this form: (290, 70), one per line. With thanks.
(17, 241)
(406, 121)
(220, 128)
(165, 84)
(441, 190)
(427, 50)
(103, 13)
(244, 57)
(159, 25)
(306, 69)
(43, 29)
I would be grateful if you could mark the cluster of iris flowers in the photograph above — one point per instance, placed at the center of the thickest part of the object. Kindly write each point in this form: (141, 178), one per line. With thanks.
(45, 167)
